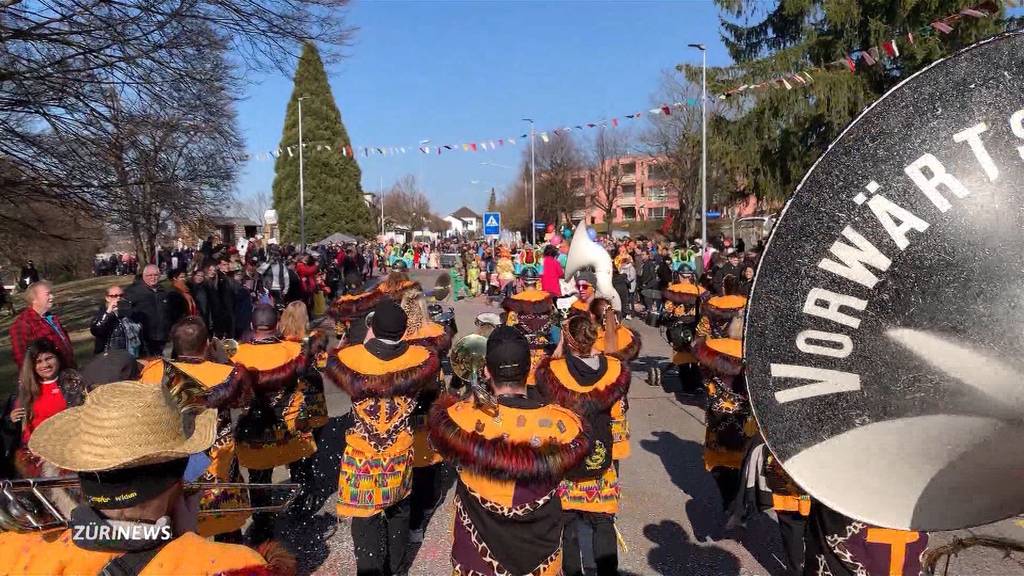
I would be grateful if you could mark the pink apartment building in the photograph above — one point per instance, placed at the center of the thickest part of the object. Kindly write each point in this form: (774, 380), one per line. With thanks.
(644, 193)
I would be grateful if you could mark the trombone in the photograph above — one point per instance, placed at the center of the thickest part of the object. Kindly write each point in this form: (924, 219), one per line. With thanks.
(25, 508)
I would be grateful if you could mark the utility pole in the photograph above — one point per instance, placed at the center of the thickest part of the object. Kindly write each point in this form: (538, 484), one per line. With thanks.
(302, 188)
(533, 185)
(703, 151)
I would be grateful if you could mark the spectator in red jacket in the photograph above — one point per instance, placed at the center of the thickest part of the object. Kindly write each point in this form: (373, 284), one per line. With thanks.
(306, 269)
(38, 322)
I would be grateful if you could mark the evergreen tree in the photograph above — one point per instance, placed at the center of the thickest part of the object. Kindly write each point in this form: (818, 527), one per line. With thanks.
(333, 192)
(770, 138)
(492, 202)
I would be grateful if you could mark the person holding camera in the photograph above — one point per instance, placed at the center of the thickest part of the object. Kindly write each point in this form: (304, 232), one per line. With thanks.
(112, 326)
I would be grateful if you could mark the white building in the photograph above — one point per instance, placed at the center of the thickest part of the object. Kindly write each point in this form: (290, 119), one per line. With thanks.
(462, 221)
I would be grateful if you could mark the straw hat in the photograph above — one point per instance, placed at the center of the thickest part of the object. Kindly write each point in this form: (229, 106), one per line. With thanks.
(121, 425)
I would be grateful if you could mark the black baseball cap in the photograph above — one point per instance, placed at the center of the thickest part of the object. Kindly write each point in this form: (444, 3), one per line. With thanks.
(389, 321)
(508, 355)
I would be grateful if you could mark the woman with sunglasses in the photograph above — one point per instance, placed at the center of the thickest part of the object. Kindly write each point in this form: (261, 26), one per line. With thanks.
(111, 326)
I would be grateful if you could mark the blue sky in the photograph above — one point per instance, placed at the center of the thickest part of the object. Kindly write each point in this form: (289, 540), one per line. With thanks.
(468, 71)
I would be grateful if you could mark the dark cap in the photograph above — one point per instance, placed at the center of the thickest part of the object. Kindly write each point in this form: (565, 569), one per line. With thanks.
(111, 366)
(508, 355)
(264, 317)
(389, 320)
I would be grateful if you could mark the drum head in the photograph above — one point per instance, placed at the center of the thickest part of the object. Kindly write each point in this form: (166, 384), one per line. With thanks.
(883, 336)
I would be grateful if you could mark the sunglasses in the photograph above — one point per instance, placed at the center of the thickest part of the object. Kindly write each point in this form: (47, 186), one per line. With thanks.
(118, 295)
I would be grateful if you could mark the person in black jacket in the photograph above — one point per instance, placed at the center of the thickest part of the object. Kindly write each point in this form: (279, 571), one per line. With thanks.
(149, 308)
(197, 288)
(107, 326)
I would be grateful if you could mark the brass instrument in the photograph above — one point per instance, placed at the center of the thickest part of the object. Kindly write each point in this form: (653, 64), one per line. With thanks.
(222, 349)
(583, 253)
(24, 507)
(468, 358)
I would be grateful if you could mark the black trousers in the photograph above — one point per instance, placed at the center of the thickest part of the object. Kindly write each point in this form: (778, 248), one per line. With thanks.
(427, 486)
(381, 540)
(601, 530)
(262, 522)
(689, 377)
(728, 481)
(793, 529)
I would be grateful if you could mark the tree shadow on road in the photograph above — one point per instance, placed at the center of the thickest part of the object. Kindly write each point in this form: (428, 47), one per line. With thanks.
(684, 461)
(675, 555)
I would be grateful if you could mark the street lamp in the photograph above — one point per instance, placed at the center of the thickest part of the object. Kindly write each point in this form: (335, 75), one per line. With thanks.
(533, 186)
(302, 188)
(703, 151)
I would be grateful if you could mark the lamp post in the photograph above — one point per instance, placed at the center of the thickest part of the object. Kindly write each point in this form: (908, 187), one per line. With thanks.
(703, 151)
(302, 188)
(533, 185)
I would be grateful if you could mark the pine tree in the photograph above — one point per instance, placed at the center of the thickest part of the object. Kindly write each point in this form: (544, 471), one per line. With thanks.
(333, 192)
(492, 202)
(771, 137)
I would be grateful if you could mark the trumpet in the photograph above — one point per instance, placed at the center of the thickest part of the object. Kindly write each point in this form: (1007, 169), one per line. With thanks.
(25, 506)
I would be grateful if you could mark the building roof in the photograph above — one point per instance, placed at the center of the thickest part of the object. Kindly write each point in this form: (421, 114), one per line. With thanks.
(465, 214)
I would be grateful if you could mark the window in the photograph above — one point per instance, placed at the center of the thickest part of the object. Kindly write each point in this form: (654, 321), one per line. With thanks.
(629, 213)
(629, 191)
(658, 213)
(577, 183)
(657, 194)
(657, 172)
(628, 169)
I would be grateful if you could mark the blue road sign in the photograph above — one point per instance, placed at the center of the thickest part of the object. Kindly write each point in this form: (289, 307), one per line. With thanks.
(713, 214)
(540, 225)
(492, 223)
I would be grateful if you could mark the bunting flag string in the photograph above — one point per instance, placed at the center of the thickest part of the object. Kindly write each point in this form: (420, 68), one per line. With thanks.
(873, 55)
(483, 145)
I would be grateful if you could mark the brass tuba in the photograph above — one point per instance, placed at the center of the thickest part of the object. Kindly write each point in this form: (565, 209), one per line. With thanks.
(583, 253)
(468, 358)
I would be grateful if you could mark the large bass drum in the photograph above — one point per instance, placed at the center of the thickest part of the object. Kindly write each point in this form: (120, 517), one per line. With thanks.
(883, 336)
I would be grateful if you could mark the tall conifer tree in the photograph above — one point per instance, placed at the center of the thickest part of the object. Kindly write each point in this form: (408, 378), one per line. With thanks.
(769, 138)
(333, 192)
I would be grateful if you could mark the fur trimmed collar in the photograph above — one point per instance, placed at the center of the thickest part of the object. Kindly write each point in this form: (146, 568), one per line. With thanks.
(715, 361)
(600, 397)
(500, 459)
(406, 380)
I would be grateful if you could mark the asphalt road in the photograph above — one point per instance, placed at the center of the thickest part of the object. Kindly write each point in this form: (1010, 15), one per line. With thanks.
(670, 516)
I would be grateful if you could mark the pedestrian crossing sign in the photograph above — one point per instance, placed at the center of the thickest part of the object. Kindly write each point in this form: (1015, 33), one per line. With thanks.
(492, 223)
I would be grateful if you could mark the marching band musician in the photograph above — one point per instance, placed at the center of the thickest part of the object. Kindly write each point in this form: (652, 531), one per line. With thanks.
(129, 445)
(591, 385)
(426, 476)
(612, 335)
(267, 435)
(383, 377)
(530, 311)
(585, 281)
(223, 387)
(730, 424)
(682, 305)
(510, 458)
(312, 414)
